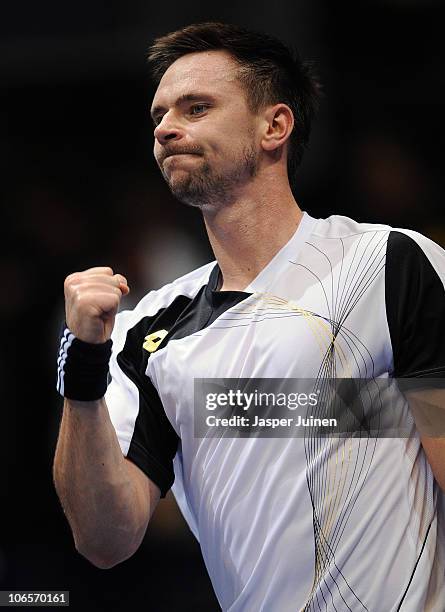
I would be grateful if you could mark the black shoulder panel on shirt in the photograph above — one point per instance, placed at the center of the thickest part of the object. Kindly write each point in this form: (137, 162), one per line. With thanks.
(154, 442)
(415, 308)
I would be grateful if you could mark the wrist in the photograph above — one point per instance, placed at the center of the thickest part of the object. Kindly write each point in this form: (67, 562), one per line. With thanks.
(82, 368)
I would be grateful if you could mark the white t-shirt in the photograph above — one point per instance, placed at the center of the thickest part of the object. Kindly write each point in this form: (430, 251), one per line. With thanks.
(285, 524)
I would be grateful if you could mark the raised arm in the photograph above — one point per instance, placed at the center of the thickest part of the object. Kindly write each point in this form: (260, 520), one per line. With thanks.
(107, 499)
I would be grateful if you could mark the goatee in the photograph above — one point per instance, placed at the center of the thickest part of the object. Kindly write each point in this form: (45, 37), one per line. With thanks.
(205, 187)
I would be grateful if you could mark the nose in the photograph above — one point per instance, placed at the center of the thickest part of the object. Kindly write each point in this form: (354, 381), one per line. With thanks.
(166, 130)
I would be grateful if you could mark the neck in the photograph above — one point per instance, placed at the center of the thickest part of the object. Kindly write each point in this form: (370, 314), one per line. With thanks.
(247, 233)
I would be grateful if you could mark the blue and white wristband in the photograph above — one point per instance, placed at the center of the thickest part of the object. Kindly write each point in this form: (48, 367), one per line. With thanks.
(82, 368)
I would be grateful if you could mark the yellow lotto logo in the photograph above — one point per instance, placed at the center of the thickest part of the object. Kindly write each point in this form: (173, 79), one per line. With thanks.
(152, 341)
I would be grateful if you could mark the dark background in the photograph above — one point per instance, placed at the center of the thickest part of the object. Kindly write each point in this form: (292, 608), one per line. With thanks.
(80, 188)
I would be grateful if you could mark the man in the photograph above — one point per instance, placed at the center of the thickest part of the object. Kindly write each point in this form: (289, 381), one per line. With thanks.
(285, 523)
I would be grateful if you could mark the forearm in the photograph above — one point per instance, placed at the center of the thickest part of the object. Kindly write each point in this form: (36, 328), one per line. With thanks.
(101, 501)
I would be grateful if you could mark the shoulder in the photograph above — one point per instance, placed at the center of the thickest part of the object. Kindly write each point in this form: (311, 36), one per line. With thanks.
(403, 245)
(409, 250)
(415, 303)
(339, 226)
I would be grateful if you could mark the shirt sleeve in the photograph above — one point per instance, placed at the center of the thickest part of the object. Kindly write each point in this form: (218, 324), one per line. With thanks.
(415, 305)
(145, 434)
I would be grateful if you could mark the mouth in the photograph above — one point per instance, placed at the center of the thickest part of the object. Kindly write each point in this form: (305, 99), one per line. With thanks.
(177, 155)
(172, 159)
(173, 149)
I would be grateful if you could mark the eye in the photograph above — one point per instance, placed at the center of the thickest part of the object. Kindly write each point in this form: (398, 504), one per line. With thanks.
(198, 109)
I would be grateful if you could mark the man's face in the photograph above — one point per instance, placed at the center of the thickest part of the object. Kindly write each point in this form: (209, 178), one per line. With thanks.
(205, 134)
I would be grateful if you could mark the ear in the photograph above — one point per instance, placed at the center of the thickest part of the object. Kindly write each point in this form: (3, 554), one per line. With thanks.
(279, 123)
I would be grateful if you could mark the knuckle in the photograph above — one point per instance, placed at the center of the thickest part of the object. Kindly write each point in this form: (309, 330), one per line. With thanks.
(70, 279)
(79, 297)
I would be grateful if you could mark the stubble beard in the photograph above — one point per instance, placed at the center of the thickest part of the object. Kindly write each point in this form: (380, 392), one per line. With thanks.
(206, 188)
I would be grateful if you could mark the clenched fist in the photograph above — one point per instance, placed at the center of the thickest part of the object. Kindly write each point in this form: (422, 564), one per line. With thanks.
(92, 299)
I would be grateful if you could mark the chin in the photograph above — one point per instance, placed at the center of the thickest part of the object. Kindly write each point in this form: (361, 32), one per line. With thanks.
(189, 192)
(179, 181)
(195, 188)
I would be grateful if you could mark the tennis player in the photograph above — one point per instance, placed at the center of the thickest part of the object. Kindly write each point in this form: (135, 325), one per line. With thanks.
(286, 522)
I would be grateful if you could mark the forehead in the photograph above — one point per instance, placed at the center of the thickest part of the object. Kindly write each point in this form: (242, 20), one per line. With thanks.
(214, 71)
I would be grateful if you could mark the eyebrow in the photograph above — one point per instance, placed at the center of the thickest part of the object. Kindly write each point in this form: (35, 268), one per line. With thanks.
(189, 97)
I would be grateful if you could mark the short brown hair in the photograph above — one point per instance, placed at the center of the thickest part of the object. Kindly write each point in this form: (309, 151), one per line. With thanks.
(269, 70)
